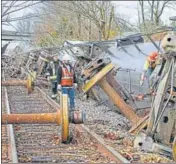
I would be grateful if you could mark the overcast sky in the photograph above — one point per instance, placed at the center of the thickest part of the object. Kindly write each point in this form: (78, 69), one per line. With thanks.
(129, 8)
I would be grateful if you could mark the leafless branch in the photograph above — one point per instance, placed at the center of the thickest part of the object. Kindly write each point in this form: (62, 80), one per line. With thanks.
(21, 8)
(23, 17)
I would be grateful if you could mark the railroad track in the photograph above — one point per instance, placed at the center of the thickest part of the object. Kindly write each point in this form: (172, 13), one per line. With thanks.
(41, 143)
(5, 156)
(7, 134)
(38, 143)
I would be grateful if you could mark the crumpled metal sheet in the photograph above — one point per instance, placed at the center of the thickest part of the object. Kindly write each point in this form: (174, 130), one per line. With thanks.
(133, 59)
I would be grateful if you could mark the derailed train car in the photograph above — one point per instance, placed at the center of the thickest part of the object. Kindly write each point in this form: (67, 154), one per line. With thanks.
(131, 61)
(160, 121)
(130, 56)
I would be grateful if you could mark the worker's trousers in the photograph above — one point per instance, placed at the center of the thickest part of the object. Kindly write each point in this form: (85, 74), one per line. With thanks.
(150, 78)
(71, 94)
(54, 87)
(149, 71)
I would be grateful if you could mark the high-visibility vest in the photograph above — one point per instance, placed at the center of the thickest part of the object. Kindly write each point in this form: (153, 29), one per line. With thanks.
(53, 68)
(34, 74)
(67, 77)
(149, 64)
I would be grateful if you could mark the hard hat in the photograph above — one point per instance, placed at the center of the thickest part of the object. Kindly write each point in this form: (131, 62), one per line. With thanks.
(153, 56)
(66, 57)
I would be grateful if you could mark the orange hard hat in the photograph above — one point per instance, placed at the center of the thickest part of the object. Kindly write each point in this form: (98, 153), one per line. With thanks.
(153, 56)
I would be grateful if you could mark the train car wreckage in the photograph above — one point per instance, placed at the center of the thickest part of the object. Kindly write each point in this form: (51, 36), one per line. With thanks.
(95, 67)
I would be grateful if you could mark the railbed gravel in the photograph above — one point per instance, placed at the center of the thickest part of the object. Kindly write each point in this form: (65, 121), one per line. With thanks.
(113, 128)
(41, 143)
(5, 155)
(106, 121)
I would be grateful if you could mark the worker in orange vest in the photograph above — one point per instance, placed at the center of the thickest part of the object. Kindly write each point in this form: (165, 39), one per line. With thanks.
(149, 66)
(66, 80)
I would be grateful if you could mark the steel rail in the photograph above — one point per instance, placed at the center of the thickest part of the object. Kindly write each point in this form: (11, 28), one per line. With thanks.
(106, 150)
(102, 147)
(11, 136)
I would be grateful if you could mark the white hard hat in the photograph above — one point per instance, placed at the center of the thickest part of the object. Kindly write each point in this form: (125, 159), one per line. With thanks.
(66, 57)
(65, 43)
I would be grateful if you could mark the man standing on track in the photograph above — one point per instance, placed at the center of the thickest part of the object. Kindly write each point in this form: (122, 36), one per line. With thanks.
(66, 80)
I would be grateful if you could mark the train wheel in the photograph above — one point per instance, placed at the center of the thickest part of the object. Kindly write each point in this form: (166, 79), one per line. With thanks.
(29, 84)
(65, 118)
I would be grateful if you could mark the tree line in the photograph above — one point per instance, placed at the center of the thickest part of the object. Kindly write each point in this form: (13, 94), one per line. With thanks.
(58, 21)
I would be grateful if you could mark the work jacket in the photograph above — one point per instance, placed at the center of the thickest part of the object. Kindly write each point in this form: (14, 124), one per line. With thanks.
(51, 70)
(148, 64)
(66, 76)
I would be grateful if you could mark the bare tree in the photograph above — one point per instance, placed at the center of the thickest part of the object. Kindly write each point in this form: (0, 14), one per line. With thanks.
(153, 10)
(80, 20)
(10, 8)
(141, 3)
(25, 25)
(96, 11)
